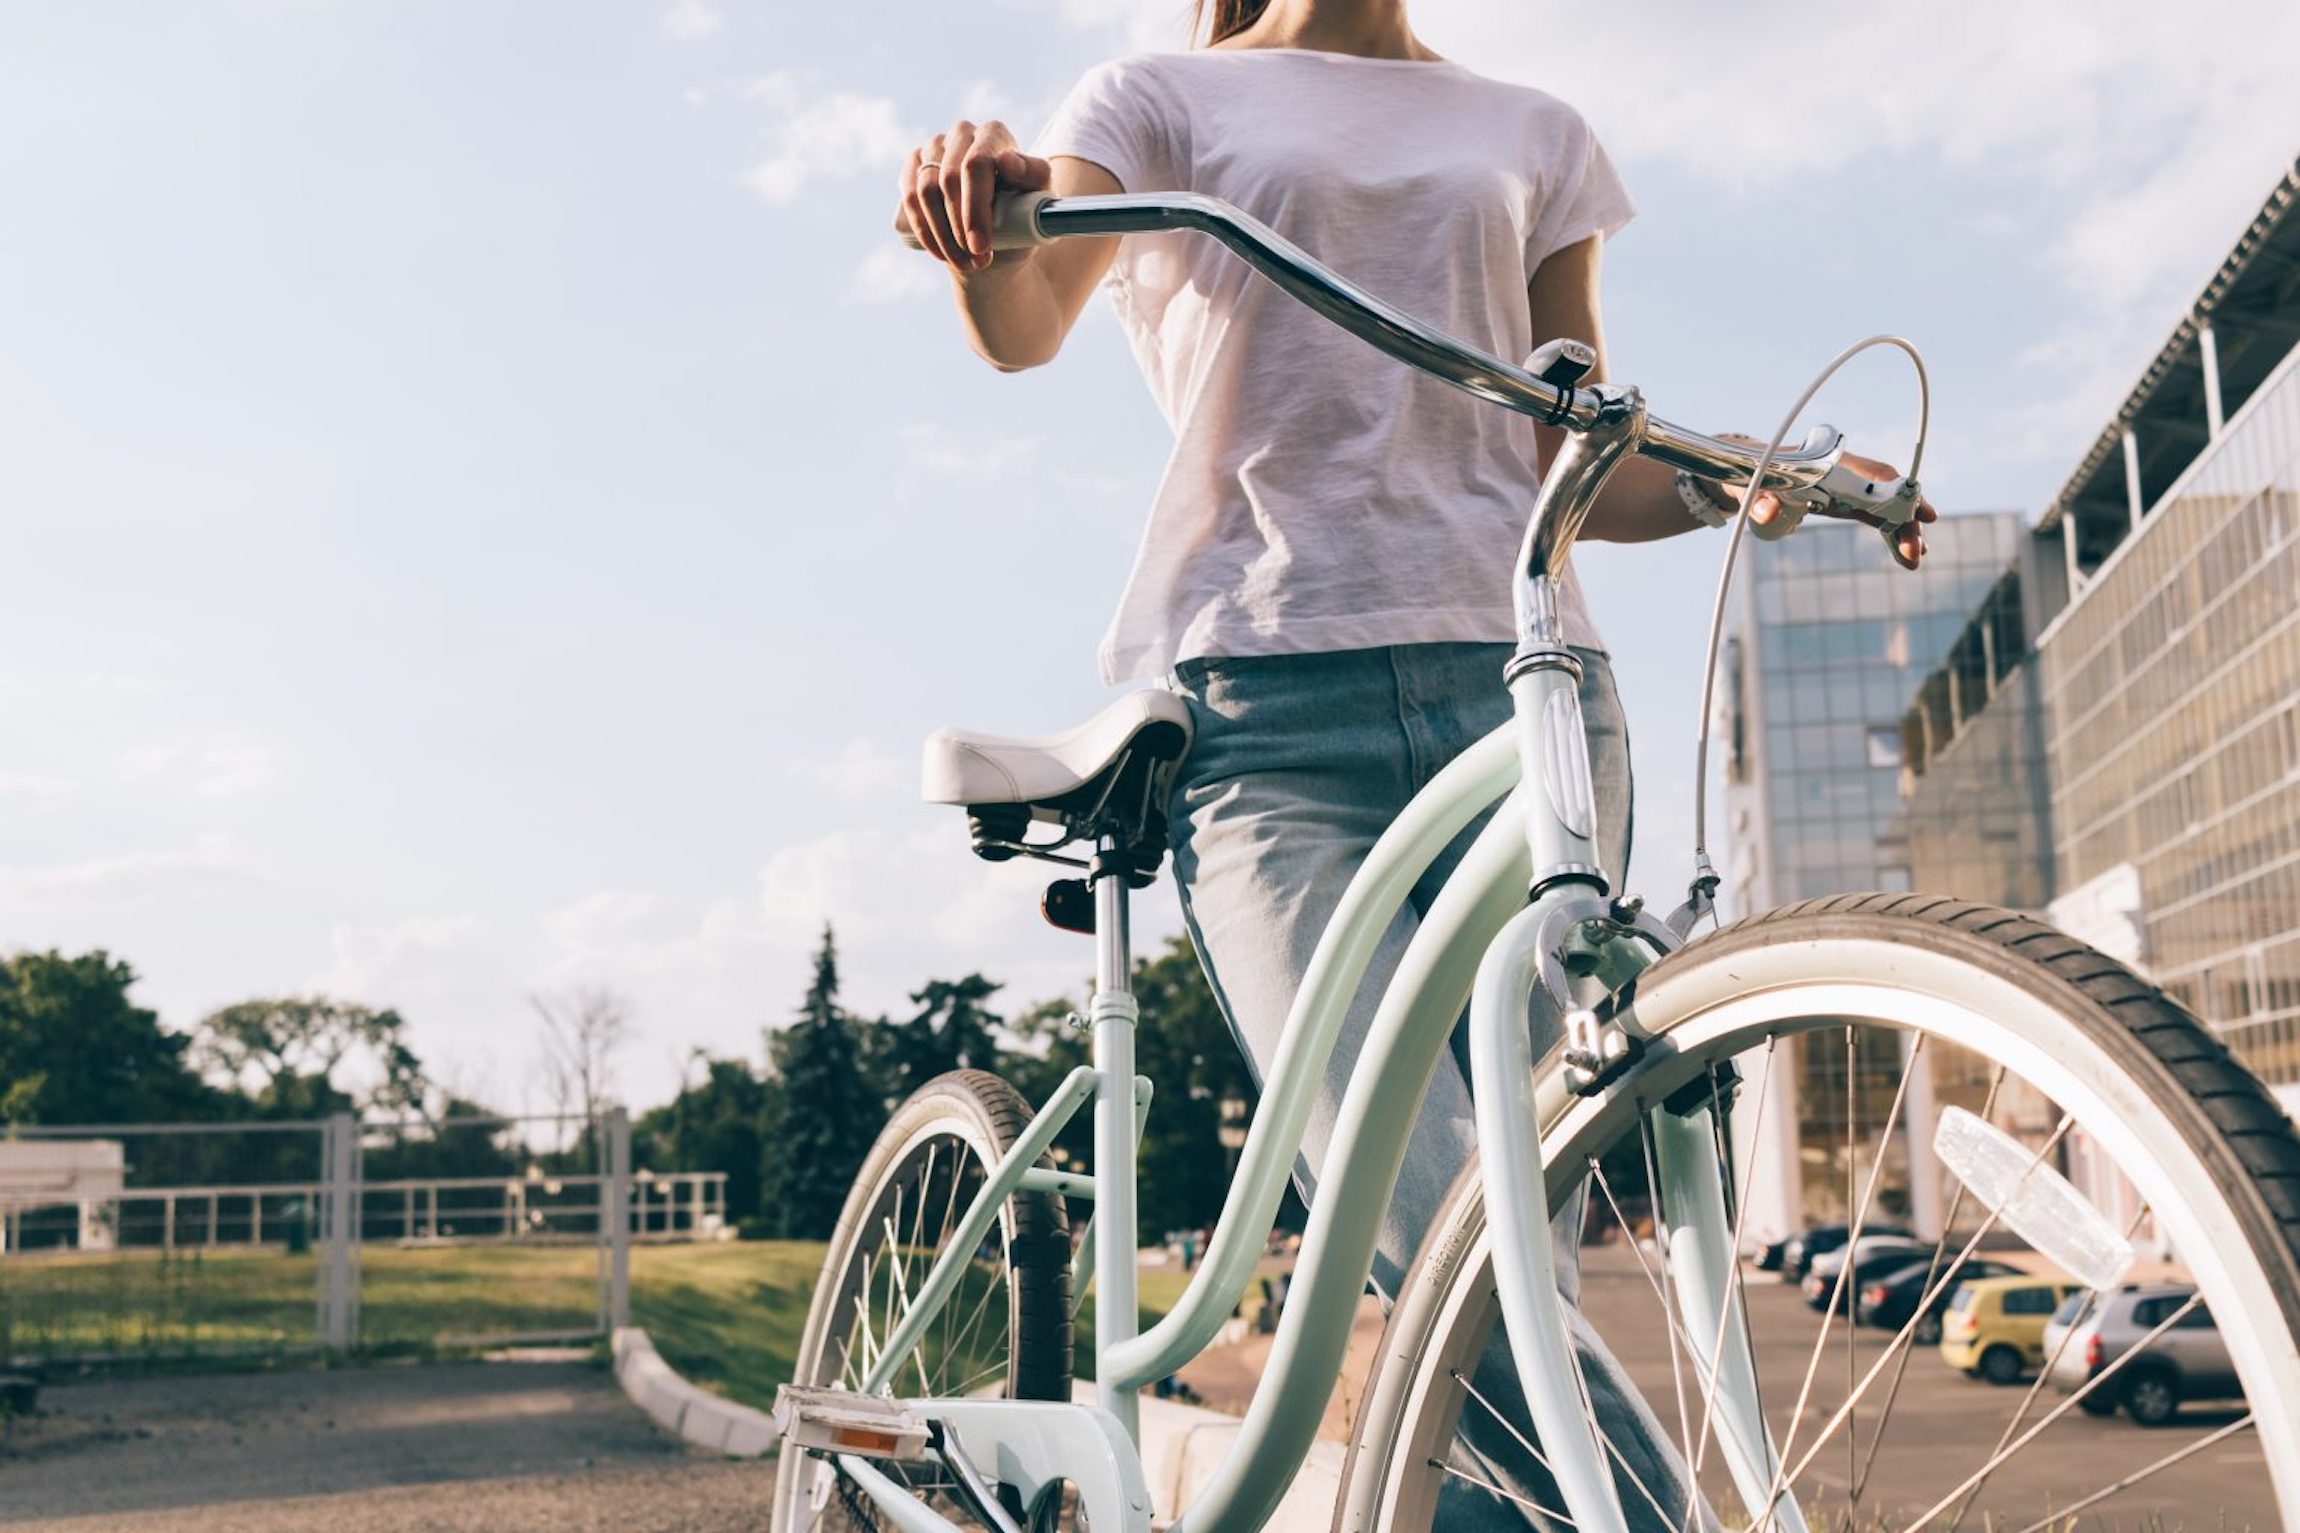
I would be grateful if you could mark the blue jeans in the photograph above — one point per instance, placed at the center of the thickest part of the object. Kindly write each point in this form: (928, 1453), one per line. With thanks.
(1300, 762)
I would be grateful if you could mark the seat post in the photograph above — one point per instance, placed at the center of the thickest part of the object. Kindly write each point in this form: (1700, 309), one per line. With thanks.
(1112, 1015)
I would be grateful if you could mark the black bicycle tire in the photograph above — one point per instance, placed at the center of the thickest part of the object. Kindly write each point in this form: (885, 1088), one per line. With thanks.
(2225, 1110)
(1040, 1329)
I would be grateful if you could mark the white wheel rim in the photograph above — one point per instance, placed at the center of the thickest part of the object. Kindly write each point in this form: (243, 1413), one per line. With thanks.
(1769, 990)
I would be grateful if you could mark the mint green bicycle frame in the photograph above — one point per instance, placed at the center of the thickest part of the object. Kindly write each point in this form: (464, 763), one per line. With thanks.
(1528, 881)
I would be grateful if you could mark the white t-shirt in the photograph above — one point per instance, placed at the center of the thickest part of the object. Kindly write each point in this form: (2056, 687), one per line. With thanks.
(1322, 496)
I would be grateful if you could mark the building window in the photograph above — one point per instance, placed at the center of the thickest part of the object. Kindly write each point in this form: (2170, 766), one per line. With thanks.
(1884, 745)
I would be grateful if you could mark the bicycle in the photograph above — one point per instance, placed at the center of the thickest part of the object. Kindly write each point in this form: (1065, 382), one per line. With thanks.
(934, 1378)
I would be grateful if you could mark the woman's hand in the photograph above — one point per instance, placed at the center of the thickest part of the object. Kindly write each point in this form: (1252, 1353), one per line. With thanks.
(950, 181)
(1908, 540)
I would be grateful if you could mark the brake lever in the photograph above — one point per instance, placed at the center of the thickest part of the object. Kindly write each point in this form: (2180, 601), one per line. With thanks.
(1893, 502)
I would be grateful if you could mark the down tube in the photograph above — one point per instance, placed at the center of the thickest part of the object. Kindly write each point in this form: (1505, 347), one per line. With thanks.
(1387, 1087)
(1474, 779)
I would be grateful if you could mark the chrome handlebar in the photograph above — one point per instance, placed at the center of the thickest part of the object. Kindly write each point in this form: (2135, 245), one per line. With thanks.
(1038, 218)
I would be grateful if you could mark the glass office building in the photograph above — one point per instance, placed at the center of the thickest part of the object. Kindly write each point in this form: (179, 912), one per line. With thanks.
(2162, 677)
(1830, 639)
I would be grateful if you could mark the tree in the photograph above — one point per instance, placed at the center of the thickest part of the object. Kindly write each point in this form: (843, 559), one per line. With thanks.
(284, 1053)
(584, 1028)
(825, 1114)
(951, 1030)
(75, 1049)
(1194, 1064)
(716, 1123)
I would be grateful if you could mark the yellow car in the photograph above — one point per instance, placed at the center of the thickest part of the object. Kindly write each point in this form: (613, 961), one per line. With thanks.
(1994, 1327)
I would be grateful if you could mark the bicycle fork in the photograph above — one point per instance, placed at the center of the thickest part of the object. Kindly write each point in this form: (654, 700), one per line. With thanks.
(1525, 967)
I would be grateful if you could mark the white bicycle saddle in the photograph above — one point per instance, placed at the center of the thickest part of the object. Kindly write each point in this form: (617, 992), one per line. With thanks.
(967, 768)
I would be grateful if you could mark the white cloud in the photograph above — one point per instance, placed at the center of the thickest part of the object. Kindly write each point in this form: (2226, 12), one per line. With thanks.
(381, 964)
(1153, 24)
(892, 273)
(26, 785)
(822, 136)
(860, 773)
(942, 452)
(220, 766)
(121, 878)
(690, 21)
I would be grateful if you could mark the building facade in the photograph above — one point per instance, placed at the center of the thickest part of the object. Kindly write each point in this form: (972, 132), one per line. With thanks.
(2155, 701)
(1830, 639)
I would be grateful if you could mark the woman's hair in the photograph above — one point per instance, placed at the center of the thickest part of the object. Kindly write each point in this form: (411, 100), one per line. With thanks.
(1230, 17)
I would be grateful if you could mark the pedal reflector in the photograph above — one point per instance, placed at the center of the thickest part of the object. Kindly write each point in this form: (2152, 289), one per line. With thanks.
(844, 1421)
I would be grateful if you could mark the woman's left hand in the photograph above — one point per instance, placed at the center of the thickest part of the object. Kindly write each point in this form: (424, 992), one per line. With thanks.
(1908, 540)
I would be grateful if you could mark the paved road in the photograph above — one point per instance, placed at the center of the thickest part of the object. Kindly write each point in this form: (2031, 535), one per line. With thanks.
(492, 1448)
(1944, 1426)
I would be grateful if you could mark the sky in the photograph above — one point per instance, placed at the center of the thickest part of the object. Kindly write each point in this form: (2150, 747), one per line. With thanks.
(486, 508)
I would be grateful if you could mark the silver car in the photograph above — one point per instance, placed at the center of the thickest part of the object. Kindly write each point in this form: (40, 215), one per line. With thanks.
(2188, 1362)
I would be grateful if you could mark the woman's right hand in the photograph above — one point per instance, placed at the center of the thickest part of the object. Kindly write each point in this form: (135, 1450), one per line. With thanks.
(950, 181)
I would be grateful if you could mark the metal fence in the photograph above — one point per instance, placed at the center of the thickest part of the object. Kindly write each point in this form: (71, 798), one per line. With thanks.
(165, 1240)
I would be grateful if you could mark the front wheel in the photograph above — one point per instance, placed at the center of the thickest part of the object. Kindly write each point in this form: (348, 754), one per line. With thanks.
(1843, 998)
(1006, 1330)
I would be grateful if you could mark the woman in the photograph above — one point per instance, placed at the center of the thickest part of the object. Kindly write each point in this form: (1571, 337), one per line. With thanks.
(1325, 573)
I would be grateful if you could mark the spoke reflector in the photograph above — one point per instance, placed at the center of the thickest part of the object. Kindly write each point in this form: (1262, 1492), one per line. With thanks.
(2033, 1200)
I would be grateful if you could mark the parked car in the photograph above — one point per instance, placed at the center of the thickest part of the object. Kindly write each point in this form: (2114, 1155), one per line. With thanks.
(1797, 1256)
(1994, 1327)
(2188, 1362)
(1888, 1301)
(1765, 1254)
(1875, 1256)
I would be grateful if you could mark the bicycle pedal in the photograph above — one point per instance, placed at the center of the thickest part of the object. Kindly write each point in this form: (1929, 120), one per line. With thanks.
(845, 1421)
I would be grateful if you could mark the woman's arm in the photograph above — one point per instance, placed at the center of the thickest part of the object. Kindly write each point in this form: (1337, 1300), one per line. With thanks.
(1640, 502)
(1017, 305)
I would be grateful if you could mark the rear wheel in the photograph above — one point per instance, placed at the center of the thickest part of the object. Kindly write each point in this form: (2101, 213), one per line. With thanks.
(1006, 1330)
(2062, 1040)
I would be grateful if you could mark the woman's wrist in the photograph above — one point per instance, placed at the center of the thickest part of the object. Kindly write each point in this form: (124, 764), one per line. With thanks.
(1703, 500)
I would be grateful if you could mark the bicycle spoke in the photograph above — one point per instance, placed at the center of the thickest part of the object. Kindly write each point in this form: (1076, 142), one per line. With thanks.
(942, 1233)
(1901, 1338)
(2060, 1518)
(1667, 1285)
(2037, 1384)
(981, 1306)
(895, 1267)
(1932, 1269)
(1733, 1287)
(1979, 1477)
(1507, 1495)
(1783, 1481)
(917, 1228)
(1527, 1444)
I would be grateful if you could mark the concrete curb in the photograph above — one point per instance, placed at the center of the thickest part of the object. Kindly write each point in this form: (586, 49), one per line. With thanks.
(681, 1409)
(1182, 1445)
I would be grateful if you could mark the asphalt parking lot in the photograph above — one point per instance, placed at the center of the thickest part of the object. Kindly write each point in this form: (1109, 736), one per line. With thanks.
(455, 1447)
(1943, 1426)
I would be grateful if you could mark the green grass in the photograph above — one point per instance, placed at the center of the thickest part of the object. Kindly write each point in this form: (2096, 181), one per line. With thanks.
(727, 1316)
(217, 1303)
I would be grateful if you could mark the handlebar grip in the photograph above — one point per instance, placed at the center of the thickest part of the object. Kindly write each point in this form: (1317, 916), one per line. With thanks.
(1892, 501)
(1013, 222)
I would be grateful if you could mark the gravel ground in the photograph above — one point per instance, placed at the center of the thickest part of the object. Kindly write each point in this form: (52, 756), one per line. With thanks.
(497, 1447)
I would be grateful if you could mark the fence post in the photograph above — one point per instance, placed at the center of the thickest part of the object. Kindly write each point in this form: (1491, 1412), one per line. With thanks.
(618, 1217)
(339, 1260)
